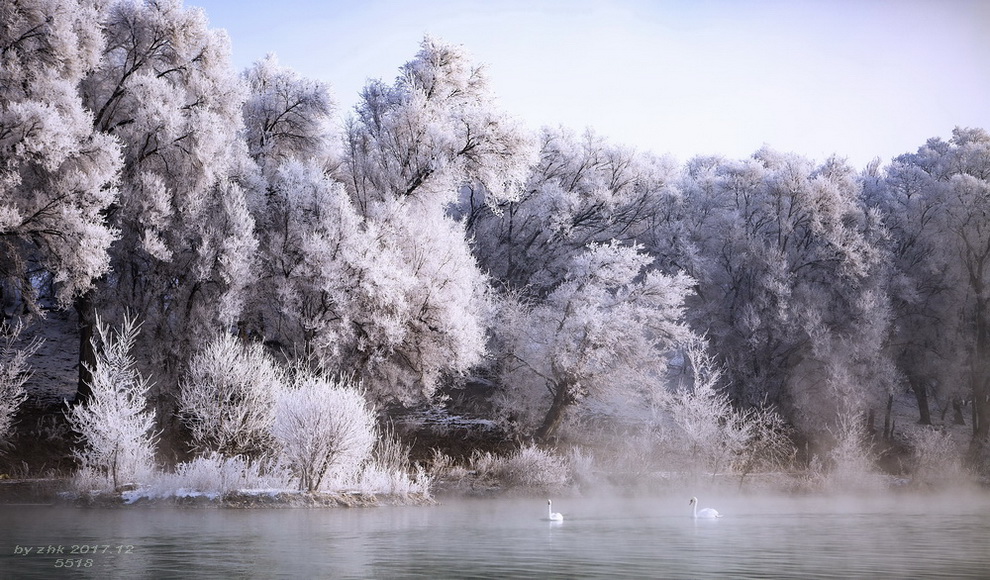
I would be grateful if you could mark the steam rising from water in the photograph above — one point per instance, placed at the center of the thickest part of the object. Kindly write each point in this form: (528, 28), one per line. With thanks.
(608, 535)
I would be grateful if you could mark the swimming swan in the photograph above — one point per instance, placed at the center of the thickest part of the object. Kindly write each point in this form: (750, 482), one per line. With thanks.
(705, 513)
(552, 515)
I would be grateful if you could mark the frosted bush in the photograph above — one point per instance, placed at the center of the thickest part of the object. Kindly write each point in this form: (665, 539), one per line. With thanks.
(769, 447)
(936, 456)
(719, 437)
(390, 452)
(322, 427)
(13, 374)
(850, 463)
(115, 427)
(228, 397)
(582, 466)
(529, 467)
(709, 429)
(442, 467)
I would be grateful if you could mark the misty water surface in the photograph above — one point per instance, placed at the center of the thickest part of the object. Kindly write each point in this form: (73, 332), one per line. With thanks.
(892, 537)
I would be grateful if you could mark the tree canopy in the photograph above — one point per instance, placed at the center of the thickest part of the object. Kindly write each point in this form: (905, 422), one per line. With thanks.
(425, 236)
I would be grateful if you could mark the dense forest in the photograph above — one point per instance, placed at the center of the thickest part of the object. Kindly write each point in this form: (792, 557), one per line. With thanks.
(255, 273)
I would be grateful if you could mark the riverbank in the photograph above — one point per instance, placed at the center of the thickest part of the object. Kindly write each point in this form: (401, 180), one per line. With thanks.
(59, 491)
(51, 491)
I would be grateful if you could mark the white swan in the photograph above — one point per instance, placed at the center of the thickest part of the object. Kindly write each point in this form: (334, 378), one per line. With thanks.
(552, 515)
(705, 513)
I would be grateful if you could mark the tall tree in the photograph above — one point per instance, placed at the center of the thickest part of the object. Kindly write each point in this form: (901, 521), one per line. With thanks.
(583, 190)
(165, 89)
(925, 290)
(957, 173)
(57, 175)
(409, 149)
(286, 116)
(287, 126)
(788, 291)
(607, 329)
(435, 129)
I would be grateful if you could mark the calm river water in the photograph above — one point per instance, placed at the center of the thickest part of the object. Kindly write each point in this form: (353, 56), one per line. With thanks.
(889, 537)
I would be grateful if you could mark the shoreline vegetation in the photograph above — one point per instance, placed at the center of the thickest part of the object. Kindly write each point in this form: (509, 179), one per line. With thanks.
(427, 454)
(215, 281)
(47, 475)
(61, 492)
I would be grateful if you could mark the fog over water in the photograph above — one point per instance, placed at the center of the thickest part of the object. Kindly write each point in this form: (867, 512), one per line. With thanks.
(895, 535)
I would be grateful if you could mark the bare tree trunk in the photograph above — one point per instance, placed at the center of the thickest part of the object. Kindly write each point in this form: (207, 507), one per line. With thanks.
(981, 380)
(981, 411)
(888, 427)
(921, 395)
(562, 399)
(957, 413)
(87, 351)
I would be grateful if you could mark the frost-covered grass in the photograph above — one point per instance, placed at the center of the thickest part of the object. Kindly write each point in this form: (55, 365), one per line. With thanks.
(215, 475)
(377, 480)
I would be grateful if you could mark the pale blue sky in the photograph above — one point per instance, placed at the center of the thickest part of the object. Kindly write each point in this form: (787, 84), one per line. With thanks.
(859, 78)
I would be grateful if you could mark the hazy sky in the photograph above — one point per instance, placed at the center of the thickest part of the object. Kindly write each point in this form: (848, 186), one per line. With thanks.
(860, 78)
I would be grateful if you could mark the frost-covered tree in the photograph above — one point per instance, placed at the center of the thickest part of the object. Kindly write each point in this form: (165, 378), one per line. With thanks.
(57, 175)
(14, 372)
(583, 190)
(425, 316)
(360, 269)
(228, 395)
(924, 288)
(285, 116)
(788, 291)
(396, 294)
(608, 328)
(956, 173)
(396, 302)
(115, 426)
(432, 131)
(324, 428)
(165, 89)
(309, 234)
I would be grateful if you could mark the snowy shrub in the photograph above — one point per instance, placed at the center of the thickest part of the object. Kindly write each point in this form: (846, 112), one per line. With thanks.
(443, 467)
(13, 374)
(582, 467)
(228, 398)
(850, 463)
(529, 467)
(719, 437)
(115, 427)
(936, 456)
(769, 447)
(322, 427)
(712, 430)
